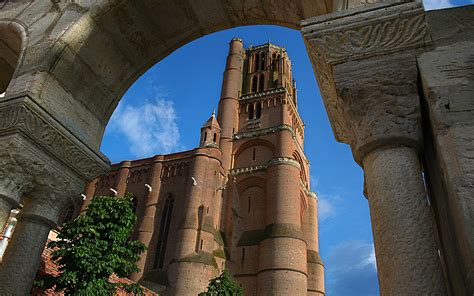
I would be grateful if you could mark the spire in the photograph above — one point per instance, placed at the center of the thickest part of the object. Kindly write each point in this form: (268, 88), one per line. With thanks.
(212, 121)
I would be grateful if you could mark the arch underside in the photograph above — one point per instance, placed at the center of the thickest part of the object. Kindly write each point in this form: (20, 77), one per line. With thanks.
(96, 57)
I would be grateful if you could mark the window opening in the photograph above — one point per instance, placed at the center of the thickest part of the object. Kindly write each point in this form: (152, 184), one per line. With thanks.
(251, 111)
(254, 84)
(163, 234)
(261, 82)
(259, 110)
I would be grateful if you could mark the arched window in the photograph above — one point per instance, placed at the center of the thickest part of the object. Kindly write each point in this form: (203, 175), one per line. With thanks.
(68, 214)
(254, 84)
(262, 61)
(256, 61)
(251, 111)
(259, 110)
(274, 62)
(163, 234)
(134, 204)
(261, 82)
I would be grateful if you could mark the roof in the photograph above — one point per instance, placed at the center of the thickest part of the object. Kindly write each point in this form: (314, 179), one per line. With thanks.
(212, 122)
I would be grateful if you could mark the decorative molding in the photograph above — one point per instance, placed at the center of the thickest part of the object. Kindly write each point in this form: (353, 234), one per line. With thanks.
(264, 93)
(284, 161)
(247, 170)
(368, 33)
(20, 117)
(262, 132)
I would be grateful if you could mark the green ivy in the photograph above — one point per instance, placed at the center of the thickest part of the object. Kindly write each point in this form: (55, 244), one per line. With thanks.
(94, 246)
(223, 285)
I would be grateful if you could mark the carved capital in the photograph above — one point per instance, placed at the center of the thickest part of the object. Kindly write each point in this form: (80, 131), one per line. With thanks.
(341, 37)
(365, 64)
(23, 116)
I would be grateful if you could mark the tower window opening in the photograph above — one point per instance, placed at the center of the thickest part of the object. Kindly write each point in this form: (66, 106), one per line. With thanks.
(214, 138)
(259, 110)
(205, 137)
(261, 82)
(243, 257)
(254, 84)
(256, 60)
(253, 157)
(250, 111)
(163, 233)
(202, 241)
(250, 202)
(262, 61)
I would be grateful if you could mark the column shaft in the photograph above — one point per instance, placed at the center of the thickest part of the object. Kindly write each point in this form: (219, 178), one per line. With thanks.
(405, 247)
(22, 257)
(5, 209)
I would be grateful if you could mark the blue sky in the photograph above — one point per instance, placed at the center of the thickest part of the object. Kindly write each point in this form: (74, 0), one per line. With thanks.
(164, 109)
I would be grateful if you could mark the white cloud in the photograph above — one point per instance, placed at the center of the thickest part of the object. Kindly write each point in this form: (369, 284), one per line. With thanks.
(437, 4)
(149, 128)
(326, 207)
(351, 269)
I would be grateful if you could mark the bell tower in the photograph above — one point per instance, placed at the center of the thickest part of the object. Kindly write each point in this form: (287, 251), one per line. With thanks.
(271, 214)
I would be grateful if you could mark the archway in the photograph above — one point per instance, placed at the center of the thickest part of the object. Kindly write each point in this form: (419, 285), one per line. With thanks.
(101, 41)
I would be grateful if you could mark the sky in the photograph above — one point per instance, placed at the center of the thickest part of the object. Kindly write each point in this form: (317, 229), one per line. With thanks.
(163, 111)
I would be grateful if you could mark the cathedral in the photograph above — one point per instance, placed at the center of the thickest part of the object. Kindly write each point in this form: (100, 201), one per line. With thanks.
(240, 201)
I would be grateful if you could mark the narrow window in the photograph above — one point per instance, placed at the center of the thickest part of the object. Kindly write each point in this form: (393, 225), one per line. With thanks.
(163, 233)
(201, 244)
(251, 111)
(214, 138)
(256, 60)
(205, 137)
(250, 201)
(243, 257)
(259, 110)
(253, 158)
(262, 61)
(254, 83)
(68, 214)
(134, 204)
(261, 82)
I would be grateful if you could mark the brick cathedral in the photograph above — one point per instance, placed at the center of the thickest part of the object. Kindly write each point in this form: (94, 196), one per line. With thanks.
(240, 201)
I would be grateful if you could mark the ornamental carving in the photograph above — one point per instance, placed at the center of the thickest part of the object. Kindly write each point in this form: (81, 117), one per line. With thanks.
(22, 118)
(400, 28)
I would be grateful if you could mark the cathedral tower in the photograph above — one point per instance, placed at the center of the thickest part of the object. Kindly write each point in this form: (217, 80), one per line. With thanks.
(241, 200)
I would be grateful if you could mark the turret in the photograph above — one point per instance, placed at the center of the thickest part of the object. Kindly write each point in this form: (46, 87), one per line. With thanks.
(210, 132)
(228, 103)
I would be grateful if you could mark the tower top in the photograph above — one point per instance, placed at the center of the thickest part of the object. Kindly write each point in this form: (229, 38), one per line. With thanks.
(212, 122)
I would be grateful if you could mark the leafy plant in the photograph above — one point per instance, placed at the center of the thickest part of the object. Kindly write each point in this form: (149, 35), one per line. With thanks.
(94, 246)
(223, 285)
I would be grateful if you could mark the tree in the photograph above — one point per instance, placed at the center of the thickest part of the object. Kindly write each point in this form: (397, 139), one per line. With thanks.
(223, 285)
(94, 246)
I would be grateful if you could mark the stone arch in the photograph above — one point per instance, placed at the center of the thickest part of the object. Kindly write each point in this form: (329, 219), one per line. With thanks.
(12, 42)
(112, 44)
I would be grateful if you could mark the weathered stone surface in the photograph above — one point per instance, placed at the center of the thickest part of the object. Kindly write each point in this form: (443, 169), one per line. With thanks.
(448, 87)
(407, 254)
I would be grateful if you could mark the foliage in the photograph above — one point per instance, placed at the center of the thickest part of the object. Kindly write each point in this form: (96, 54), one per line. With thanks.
(94, 246)
(223, 285)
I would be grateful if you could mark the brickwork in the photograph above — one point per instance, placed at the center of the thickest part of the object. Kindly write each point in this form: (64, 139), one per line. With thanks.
(240, 200)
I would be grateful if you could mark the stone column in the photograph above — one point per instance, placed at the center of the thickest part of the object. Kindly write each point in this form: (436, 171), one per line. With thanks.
(10, 194)
(407, 259)
(369, 85)
(22, 257)
(147, 224)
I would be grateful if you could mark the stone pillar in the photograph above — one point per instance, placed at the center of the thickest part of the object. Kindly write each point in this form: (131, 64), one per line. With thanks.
(10, 194)
(402, 223)
(22, 257)
(147, 223)
(370, 90)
